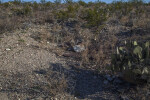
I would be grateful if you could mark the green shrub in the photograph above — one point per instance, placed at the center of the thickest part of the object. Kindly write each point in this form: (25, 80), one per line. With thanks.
(24, 11)
(7, 4)
(48, 4)
(27, 10)
(69, 13)
(82, 3)
(121, 8)
(90, 3)
(17, 2)
(35, 5)
(133, 61)
(95, 17)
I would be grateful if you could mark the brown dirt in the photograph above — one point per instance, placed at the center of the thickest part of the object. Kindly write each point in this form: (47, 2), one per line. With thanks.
(32, 68)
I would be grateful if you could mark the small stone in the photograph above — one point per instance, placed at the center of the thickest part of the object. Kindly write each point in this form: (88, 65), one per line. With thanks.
(117, 81)
(7, 49)
(108, 77)
(95, 77)
(56, 99)
(113, 76)
(78, 48)
(105, 82)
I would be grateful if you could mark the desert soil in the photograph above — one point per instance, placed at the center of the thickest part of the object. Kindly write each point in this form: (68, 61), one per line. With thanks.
(36, 70)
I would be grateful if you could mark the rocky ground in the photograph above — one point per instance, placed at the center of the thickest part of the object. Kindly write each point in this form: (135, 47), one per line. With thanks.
(36, 70)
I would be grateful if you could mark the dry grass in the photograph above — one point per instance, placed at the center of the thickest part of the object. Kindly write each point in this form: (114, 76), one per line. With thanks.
(8, 24)
(99, 40)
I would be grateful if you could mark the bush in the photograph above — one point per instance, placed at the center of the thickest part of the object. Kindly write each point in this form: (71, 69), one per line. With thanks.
(120, 8)
(7, 4)
(70, 13)
(82, 3)
(17, 2)
(9, 24)
(35, 5)
(133, 61)
(48, 4)
(95, 17)
(24, 11)
(90, 3)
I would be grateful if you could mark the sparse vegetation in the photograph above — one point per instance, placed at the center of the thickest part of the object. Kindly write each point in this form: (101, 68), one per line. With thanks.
(23, 11)
(21, 40)
(97, 27)
(133, 61)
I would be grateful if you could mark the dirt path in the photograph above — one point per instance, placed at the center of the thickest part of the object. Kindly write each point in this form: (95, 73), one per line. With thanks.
(30, 69)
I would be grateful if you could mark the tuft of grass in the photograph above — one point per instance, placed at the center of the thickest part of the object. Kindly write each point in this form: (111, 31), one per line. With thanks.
(21, 40)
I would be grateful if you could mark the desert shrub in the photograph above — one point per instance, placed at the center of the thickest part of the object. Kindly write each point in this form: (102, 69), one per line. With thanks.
(90, 4)
(133, 61)
(8, 24)
(27, 10)
(22, 11)
(95, 17)
(120, 8)
(69, 13)
(48, 4)
(7, 4)
(35, 5)
(82, 3)
(17, 2)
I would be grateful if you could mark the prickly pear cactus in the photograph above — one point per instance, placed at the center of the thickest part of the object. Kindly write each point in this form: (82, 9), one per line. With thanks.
(133, 61)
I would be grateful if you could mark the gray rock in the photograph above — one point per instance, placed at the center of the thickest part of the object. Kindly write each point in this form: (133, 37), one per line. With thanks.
(105, 82)
(7, 49)
(78, 48)
(108, 77)
(117, 81)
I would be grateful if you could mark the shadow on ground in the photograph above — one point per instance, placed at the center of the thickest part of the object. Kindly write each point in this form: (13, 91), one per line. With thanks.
(87, 83)
(57, 79)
